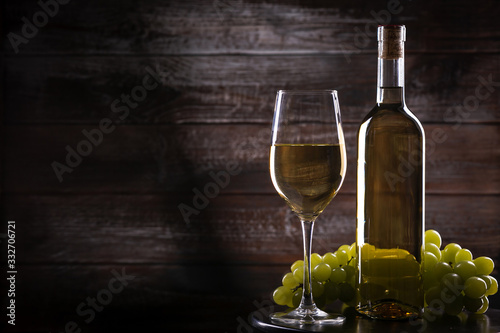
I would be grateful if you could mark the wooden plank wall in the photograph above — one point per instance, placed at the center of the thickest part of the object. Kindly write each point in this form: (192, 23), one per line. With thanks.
(207, 110)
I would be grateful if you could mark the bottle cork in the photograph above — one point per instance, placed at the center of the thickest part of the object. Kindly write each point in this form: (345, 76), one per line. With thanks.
(391, 41)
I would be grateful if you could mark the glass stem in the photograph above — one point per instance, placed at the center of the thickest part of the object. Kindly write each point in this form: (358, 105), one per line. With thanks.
(307, 232)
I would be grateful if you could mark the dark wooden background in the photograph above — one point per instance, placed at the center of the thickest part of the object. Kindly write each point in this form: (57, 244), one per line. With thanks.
(219, 63)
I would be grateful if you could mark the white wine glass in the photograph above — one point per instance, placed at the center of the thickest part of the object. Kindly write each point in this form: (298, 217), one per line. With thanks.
(307, 166)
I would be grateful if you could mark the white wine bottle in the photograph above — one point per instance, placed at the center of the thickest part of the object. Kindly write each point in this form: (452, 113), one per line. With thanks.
(390, 193)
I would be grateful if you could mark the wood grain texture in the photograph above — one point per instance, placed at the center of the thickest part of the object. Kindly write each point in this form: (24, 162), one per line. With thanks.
(254, 27)
(239, 89)
(176, 159)
(150, 229)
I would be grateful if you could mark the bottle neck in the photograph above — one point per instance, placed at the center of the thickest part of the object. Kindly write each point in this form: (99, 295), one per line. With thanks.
(390, 78)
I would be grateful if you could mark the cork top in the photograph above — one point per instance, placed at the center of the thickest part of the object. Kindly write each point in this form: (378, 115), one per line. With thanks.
(391, 41)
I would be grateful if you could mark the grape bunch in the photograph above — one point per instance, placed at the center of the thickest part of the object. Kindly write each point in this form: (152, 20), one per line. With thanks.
(453, 280)
(333, 277)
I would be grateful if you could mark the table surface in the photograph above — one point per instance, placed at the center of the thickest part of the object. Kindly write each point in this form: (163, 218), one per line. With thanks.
(485, 323)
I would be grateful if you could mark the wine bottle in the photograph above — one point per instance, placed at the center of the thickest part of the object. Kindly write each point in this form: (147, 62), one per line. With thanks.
(390, 193)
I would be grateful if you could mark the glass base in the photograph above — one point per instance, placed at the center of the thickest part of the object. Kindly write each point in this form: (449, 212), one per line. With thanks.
(306, 316)
(389, 310)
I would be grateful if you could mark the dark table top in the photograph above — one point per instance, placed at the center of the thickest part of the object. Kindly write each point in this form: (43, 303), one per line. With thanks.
(485, 323)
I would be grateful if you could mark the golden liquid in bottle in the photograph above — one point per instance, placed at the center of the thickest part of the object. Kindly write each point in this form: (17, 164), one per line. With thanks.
(390, 201)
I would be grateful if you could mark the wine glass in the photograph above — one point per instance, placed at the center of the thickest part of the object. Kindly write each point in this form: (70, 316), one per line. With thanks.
(307, 165)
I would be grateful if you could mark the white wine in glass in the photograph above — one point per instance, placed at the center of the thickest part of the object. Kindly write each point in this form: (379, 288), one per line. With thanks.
(307, 166)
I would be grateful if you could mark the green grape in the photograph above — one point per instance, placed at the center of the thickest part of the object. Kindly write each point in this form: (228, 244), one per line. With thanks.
(350, 272)
(352, 263)
(316, 259)
(456, 305)
(430, 261)
(342, 256)
(452, 247)
(432, 248)
(465, 269)
(346, 292)
(484, 265)
(494, 287)
(352, 250)
(441, 269)
(475, 287)
(432, 236)
(296, 264)
(486, 278)
(297, 297)
(320, 301)
(436, 307)
(331, 259)
(344, 247)
(298, 274)
(282, 295)
(321, 272)
(338, 275)
(332, 291)
(452, 281)
(433, 293)
(472, 304)
(463, 255)
(317, 288)
(430, 280)
(449, 252)
(446, 258)
(289, 281)
(486, 304)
